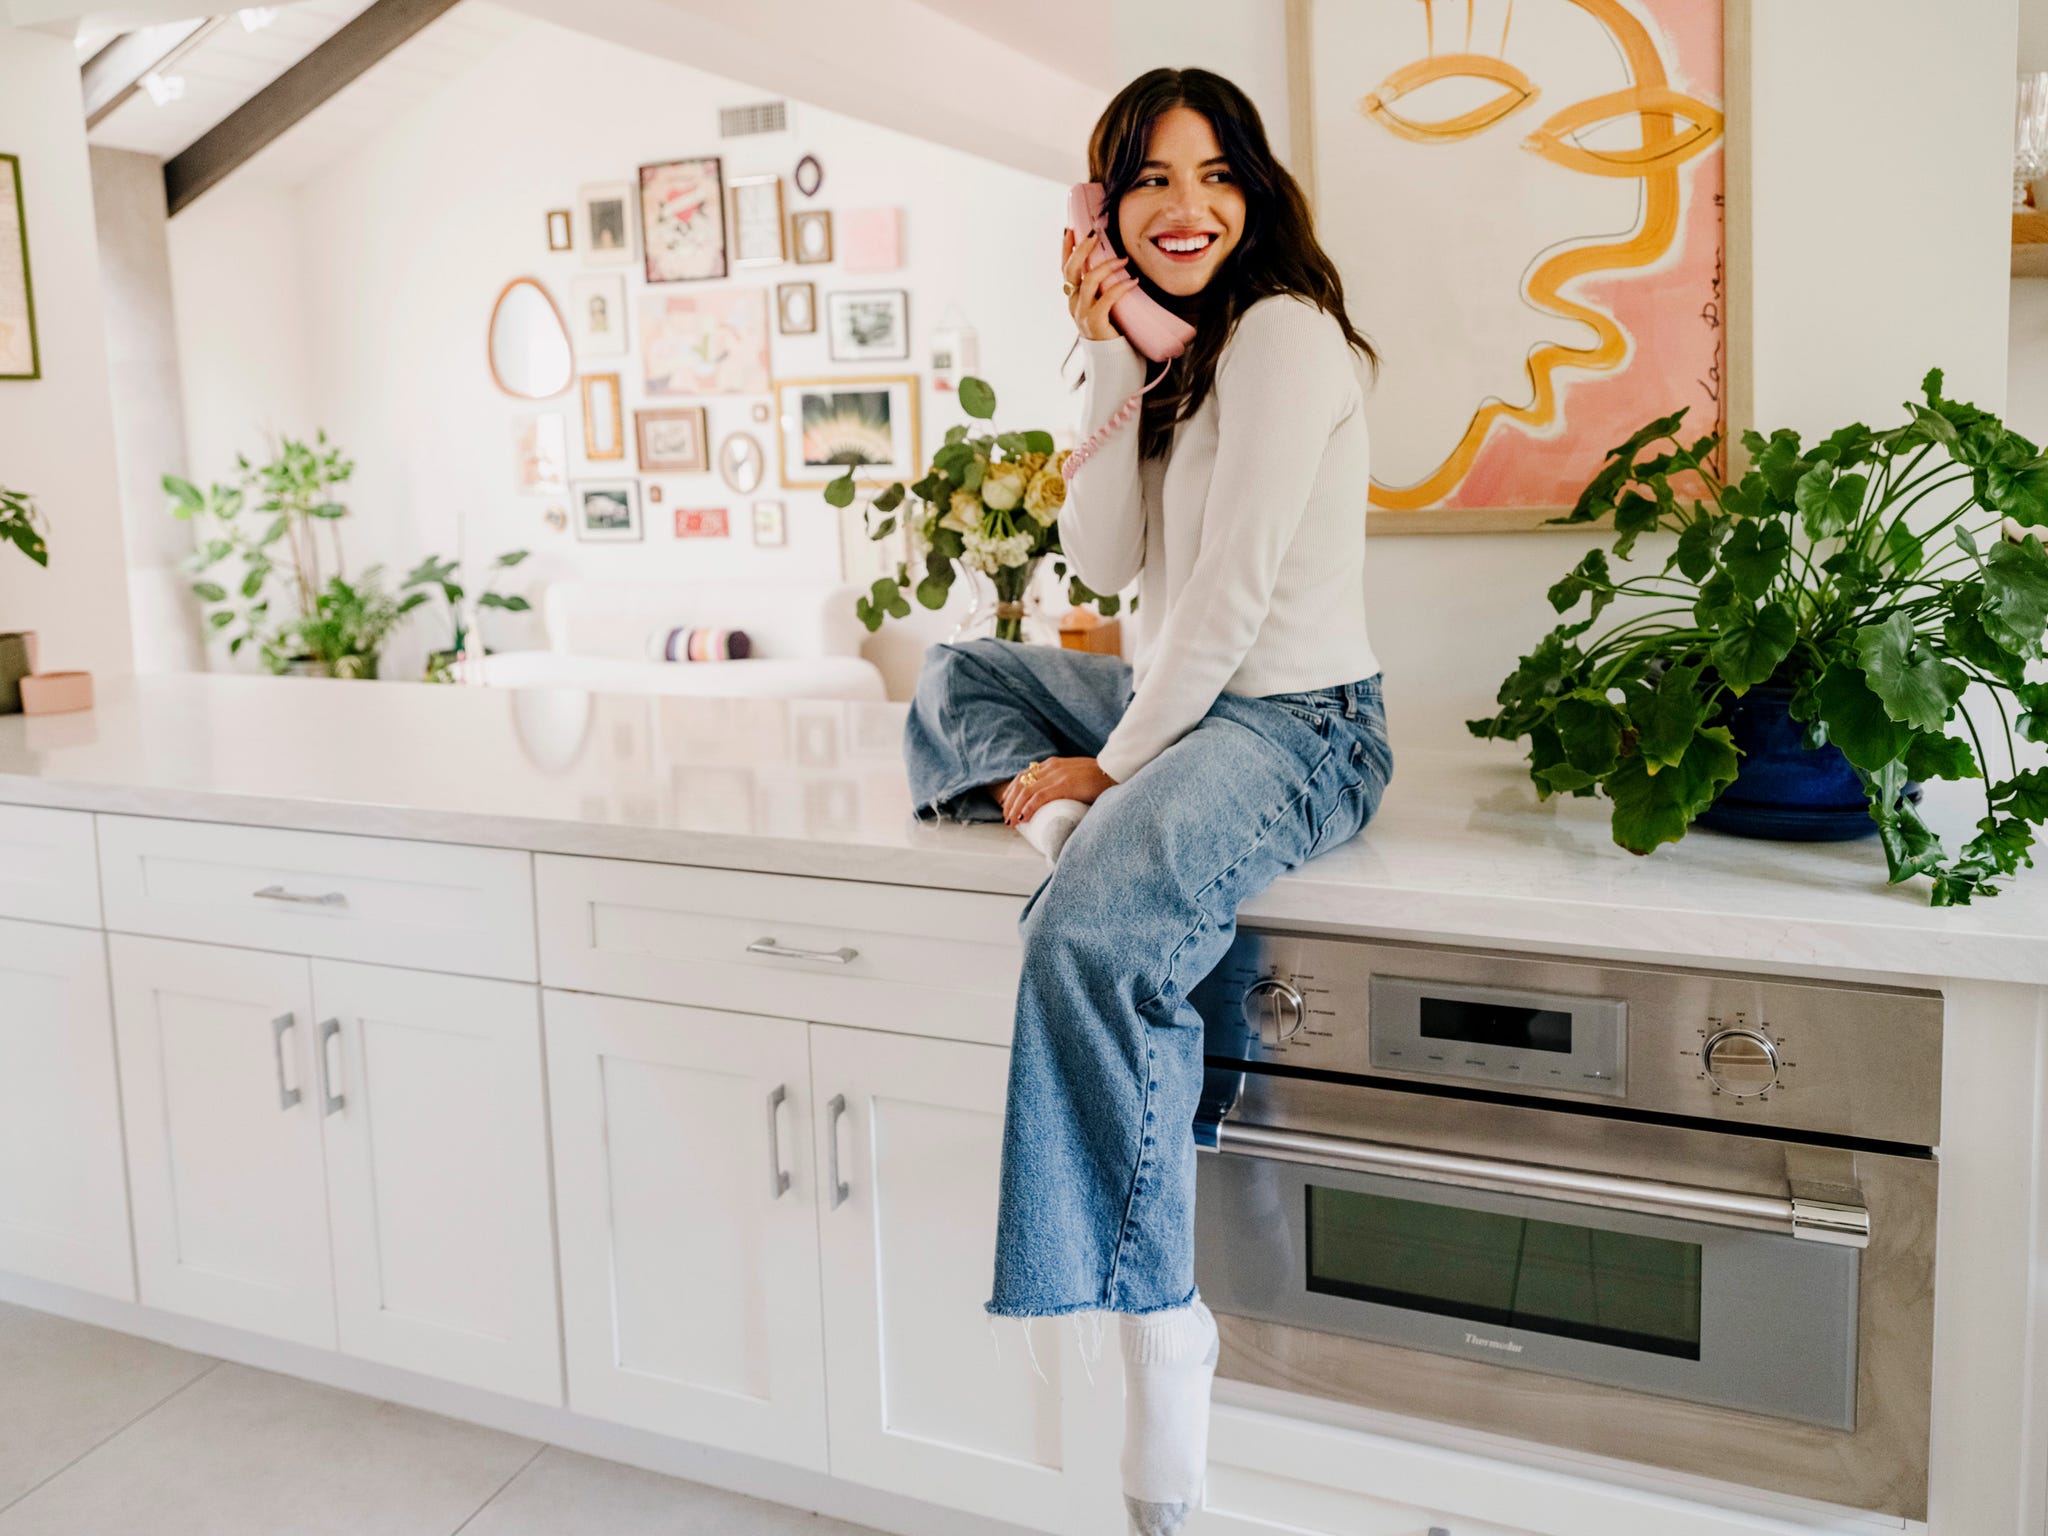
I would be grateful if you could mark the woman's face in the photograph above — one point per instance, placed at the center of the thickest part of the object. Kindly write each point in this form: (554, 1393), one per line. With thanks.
(1184, 216)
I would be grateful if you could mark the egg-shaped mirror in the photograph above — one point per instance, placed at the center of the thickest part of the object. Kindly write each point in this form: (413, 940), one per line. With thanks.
(529, 344)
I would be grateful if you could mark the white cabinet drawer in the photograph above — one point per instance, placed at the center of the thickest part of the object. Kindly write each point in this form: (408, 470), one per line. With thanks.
(47, 874)
(433, 906)
(831, 951)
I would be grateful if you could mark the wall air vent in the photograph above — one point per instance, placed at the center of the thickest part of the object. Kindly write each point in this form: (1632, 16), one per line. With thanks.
(755, 117)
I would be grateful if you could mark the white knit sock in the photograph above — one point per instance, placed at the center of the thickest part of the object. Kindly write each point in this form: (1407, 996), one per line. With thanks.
(1051, 825)
(1169, 1360)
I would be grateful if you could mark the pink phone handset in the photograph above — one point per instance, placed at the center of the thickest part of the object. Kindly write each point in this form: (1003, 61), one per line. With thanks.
(1147, 325)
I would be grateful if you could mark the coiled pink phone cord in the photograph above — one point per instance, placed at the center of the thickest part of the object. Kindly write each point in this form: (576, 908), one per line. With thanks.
(1119, 418)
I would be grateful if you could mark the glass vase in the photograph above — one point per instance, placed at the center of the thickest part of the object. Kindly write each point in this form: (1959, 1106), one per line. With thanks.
(1005, 607)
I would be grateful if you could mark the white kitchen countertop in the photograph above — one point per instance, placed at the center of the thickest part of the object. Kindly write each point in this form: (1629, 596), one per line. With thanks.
(1462, 852)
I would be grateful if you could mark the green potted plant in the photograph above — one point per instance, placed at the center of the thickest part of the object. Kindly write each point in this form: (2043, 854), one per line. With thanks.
(990, 502)
(349, 624)
(1807, 585)
(434, 572)
(268, 525)
(21, 525)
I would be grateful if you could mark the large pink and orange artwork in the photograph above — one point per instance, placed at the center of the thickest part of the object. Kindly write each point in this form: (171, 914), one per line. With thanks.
(1524, 198)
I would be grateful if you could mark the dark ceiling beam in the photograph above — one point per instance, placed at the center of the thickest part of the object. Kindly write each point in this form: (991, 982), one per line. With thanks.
(115, 73)
(243, 133)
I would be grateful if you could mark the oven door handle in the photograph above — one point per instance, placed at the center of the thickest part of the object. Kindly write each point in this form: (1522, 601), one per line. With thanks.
(1822, 1220)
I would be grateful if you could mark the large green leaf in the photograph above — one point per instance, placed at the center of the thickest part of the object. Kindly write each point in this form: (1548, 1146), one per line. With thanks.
(2016, 594)
(1667, 718)
(1970, 641)
(1827, 502)
(2022, 493)
(976, 398)
(1856, 719)
(1752, 644)
(1934, 756)
(1910, 847)
(1916, 687)
(1755, 554)
(1634, 516)
(1589, 730)
(1697, 544)
(1589, 575)
(2033, 702)
(1653, 808)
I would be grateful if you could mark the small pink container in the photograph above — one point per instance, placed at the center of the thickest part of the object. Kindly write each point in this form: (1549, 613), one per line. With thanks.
(56, 693)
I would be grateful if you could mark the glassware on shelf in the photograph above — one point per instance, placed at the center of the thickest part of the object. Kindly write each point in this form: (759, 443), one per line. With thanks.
(2029, 135)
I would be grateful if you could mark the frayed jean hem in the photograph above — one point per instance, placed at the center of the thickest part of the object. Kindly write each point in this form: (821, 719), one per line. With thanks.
(952, 803)
(1066, 1309)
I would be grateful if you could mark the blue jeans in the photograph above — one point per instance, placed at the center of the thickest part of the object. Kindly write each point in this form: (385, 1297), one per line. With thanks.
(1098, 1183)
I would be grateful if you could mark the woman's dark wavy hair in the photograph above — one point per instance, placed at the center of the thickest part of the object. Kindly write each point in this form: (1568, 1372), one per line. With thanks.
(1276, 252)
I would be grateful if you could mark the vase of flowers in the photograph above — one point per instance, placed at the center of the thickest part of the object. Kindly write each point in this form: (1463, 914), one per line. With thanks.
(988, 505)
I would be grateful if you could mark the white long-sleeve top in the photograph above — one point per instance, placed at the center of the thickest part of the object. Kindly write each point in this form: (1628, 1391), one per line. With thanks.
(1247, 539)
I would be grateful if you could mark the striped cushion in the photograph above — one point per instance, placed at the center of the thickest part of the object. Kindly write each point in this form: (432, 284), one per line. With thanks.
(699, 645)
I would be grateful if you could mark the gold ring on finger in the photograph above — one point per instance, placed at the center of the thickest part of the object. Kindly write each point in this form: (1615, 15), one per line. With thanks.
(1067, 289)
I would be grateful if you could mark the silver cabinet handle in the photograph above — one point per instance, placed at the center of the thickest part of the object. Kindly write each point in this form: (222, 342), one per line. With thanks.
(778, 1181)
(329, 1028)
(834, 1113)
(1814, 1219)
(286, 1097)
(785, 952)
(279, 893)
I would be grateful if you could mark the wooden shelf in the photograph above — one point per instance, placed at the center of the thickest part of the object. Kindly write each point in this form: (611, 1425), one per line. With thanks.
(2030, 243)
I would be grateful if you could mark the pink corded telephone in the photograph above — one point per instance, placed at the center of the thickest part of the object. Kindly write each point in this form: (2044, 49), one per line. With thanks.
(1147, 325)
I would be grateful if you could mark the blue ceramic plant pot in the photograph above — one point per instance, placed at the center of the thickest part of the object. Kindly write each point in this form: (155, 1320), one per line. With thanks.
(1784, 789)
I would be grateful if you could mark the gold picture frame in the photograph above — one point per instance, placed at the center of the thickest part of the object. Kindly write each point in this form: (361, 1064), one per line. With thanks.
(906, 463)
(807, 249)
(754, 221)
(659, 454)
(604, 426)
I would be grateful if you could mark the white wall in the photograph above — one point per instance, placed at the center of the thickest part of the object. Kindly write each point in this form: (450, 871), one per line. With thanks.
(56, 432)
(401, 249)
(405, 244)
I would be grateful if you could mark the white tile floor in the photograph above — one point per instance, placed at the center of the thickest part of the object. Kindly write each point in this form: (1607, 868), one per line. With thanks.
(106, 1435)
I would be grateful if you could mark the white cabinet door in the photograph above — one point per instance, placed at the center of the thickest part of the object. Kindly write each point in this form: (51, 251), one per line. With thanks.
(689, 1250)
(223, 1118)
(919, 1402)
(63, 1193)
(437, 1174)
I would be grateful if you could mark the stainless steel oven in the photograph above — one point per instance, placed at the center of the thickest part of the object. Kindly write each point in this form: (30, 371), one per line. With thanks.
(1678, 1217)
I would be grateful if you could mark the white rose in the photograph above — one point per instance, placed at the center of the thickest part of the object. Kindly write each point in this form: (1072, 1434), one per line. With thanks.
(963, 513)
(1002, 487)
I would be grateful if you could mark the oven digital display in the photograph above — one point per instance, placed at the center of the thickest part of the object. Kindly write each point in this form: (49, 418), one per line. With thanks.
(1527, 1029)
(1640, 1293)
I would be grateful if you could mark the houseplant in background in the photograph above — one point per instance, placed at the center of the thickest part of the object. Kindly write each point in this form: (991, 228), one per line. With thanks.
(1802, 598)
(463, 607)
(21, 525)
(267, 527)
(988, 504)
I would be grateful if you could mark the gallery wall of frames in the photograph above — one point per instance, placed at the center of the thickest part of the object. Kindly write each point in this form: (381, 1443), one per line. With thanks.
(743, 315)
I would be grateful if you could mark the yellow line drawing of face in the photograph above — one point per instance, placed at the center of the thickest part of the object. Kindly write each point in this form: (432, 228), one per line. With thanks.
(1461, 262)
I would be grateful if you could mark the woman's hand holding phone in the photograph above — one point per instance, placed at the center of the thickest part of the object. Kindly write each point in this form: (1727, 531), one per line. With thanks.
(1093, 290)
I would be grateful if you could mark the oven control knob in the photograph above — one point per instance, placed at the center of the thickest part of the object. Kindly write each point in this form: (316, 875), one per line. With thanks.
(1740, 1061)
(1273, 1010)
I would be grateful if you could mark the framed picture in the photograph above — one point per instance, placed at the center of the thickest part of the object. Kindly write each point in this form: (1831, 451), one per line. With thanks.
(682, 219)
(711, 343)
(740, 463)
(558, 230)
(868, 326)
(757, 221)
(673, 440)
(828, 424)
(19, 356)
(871, 240)
(702, 523)
(771, 526)
(607, 511)
(811, 234)
(597, 315)
(605, 209)
(809, 176)
(956, 352)
(540, 454)
(604, 435)
(796, 308)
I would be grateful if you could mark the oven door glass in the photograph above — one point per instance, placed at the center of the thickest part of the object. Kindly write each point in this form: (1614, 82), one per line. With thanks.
(1516, 1272)
(1745, 1319)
